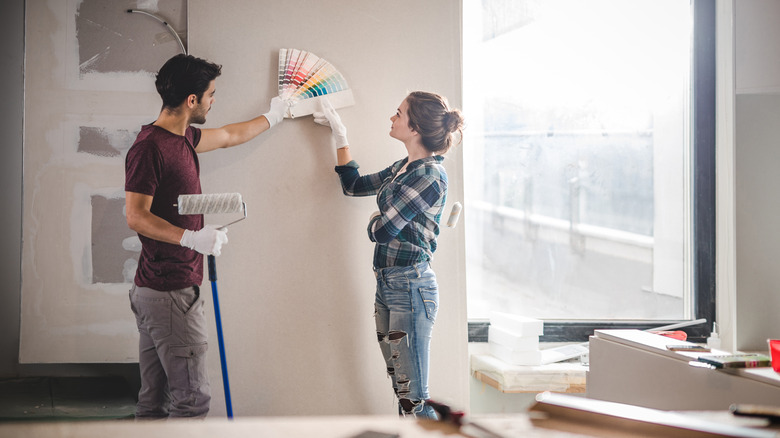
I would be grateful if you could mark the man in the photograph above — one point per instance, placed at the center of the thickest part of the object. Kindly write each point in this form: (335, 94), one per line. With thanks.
(165, 297)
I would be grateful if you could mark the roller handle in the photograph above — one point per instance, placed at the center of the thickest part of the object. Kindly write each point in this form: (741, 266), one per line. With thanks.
(212, 268)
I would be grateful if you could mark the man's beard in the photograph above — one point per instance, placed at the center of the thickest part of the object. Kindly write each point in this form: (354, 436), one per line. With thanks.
(198, 119)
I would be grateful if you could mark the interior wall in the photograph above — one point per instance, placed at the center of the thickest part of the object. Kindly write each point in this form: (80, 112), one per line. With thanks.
(295, 281)
(89, 85)
(757, 66)
(756, 160)
(12, 68)
(757, 213)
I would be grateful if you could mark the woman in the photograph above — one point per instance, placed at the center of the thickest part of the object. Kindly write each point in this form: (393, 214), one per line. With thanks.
(411, 194)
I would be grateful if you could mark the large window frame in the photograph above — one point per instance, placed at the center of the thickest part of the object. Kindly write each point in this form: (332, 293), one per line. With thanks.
(703, 204)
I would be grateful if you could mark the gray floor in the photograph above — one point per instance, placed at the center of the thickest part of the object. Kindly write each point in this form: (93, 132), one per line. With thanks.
(66, 398)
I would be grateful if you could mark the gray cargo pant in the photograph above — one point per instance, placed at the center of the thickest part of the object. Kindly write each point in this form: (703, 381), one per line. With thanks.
(171, 353)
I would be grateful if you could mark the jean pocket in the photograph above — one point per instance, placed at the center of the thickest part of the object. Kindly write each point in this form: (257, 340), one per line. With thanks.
(430, 299)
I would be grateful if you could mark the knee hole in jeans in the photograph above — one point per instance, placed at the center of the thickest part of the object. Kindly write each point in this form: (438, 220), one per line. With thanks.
(396, 335)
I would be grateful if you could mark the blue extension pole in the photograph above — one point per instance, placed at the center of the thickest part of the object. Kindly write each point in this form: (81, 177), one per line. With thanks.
(222, 360)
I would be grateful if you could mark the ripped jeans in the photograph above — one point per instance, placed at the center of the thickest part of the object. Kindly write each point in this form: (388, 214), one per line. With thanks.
(406, 303)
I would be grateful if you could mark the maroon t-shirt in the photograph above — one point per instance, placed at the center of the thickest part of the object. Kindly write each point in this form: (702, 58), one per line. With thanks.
(165, 165)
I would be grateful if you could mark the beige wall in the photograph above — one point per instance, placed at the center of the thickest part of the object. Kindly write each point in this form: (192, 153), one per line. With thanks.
(296, 284)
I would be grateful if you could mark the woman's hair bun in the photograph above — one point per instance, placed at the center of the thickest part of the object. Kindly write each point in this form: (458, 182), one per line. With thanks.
(454, 120)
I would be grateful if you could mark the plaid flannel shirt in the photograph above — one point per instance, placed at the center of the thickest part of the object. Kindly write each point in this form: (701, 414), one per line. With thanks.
(410, 207)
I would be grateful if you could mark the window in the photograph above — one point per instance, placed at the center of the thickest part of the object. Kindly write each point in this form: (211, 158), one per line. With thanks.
(589, 163)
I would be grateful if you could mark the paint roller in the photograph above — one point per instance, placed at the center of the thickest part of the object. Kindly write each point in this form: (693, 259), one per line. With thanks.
(457, 207)
(216, 203)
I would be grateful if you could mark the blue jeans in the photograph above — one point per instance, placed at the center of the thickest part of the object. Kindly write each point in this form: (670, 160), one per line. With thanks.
(407, 300)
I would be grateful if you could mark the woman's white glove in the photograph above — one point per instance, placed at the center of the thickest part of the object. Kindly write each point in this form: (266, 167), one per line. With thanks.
(207, 241)
(276, 113)
(375, 216)
(327, 116)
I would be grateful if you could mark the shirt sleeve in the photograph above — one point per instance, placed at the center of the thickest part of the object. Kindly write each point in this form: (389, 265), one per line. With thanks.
(353, 184)
(193, 135)
(413, 197)
(143, 167)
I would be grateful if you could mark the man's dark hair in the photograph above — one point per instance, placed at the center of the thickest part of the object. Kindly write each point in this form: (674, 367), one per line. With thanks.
(183, 75)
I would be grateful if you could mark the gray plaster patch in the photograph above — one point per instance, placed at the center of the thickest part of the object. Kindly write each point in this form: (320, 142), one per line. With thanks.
(105, 142)
(110, 252)
(112, 40)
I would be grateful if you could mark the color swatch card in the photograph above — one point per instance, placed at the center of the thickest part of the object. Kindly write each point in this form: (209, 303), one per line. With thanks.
(304, 78)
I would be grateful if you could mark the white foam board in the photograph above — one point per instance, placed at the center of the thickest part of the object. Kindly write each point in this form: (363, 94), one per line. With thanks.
(512, 340)
(520, 325)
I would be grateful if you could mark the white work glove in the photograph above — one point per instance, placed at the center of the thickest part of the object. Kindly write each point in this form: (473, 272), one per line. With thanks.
(207, 241)
(276, 113)
(327, 116)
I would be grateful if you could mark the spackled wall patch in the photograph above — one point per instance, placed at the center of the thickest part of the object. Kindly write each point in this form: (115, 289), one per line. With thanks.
(119, 50)
(89, 87)
(105, 142)
(115, 248)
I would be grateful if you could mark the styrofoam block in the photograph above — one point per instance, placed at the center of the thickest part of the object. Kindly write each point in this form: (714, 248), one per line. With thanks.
(512, 340)
(520, 325)
(515, 357)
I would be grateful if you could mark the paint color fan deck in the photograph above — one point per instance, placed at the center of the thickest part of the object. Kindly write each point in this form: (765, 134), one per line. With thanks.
(304, 78)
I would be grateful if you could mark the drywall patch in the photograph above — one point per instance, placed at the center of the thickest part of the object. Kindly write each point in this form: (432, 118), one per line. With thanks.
(105, 142)
(111, 40)
(110, 252)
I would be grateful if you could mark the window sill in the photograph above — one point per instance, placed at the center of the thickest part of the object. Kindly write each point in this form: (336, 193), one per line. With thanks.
(565, 377)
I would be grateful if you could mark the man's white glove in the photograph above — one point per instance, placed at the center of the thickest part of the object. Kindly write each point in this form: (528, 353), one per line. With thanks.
(208, 240)
(327, 116)
(276, 113)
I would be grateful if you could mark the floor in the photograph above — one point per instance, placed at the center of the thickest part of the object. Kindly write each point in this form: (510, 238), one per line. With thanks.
(66, 398)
